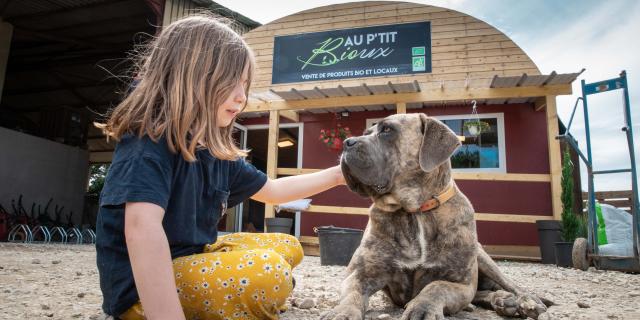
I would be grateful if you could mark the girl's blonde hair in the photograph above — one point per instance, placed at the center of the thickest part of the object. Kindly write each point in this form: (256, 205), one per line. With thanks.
(184, 74)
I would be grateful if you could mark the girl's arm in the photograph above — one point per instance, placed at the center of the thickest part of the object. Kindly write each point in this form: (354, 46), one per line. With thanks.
(151, 261)
(296, 187)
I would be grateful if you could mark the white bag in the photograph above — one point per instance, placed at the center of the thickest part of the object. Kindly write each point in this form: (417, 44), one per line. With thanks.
(619, 232)
(295, 205)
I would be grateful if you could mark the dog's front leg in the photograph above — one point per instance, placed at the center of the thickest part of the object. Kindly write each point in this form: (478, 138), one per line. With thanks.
(354, 296)
(439, 298)
(513, 301)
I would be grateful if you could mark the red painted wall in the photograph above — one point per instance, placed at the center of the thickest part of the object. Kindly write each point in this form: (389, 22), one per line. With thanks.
(526, 152)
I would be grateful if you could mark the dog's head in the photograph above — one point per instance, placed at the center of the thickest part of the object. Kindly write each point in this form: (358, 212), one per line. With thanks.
(398, 156)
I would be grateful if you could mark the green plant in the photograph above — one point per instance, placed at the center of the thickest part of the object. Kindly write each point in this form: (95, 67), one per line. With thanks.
(573, 226)
(476, 127)
(334, 137)
(97, 174)
(465, 158)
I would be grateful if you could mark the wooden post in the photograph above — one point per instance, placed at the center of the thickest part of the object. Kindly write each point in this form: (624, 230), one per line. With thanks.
(401, 107)
(555, 162)
(6, 32)
(272, 156)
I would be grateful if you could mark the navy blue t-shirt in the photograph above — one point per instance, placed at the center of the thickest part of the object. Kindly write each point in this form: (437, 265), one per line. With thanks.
(193, 194)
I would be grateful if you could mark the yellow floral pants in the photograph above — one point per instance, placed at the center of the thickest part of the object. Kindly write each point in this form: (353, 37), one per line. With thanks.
(241, 276)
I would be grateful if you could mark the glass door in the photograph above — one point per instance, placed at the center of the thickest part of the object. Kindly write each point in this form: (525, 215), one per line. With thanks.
(232, 221)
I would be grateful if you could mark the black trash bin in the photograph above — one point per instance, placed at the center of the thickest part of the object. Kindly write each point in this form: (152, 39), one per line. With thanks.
(548, 235)
(337, 245)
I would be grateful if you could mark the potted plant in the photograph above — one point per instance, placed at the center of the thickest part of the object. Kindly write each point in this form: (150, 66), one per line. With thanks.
(476, 127)
(333, 138)
(572, 226)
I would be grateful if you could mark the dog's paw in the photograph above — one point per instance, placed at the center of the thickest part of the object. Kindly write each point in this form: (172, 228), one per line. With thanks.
(521, 305)
(420, 310)
(342, 312)
(504, 303)
(529, 305)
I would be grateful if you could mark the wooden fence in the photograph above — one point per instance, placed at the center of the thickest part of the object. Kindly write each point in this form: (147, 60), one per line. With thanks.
(621, 199)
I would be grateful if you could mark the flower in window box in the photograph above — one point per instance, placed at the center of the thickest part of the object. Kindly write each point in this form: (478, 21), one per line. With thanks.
(333, 138)
(476, 127)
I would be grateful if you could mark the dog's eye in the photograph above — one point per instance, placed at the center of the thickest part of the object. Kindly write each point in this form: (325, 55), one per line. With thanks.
(386, 129)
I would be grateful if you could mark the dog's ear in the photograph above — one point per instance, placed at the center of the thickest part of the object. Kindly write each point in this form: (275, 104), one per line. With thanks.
(438, 143)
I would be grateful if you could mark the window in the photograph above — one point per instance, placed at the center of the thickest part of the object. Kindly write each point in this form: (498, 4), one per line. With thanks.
(483, 152)
(372, 121)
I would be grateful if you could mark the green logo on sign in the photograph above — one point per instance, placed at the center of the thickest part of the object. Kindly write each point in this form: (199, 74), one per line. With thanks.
(418, 64)
(418, 51)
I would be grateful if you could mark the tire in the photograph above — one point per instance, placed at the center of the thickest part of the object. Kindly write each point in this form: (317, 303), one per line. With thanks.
(579, 254)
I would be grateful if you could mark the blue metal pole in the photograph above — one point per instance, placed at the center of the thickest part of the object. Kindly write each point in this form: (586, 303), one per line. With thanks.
(592, 235)
(634, 180)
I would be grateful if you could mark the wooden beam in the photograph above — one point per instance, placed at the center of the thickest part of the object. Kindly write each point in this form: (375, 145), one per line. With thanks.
(272, 156)
(401, 107)
(339, 210)
(524, 177)
(77, 11)
(100, 157)
(291, 115)
(509, 252)
(540, 103)
(555, 162)
(295, 171)
(496, 217)
(520, 218)
(422, 96)
(513, 252)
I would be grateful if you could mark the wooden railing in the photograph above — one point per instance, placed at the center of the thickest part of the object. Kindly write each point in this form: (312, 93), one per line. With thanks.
(496, 217)
(621, 199)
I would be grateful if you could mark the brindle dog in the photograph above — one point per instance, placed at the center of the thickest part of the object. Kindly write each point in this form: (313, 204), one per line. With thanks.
(428, 262)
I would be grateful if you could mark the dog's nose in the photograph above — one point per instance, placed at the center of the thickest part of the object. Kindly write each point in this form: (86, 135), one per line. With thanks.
(350, 142)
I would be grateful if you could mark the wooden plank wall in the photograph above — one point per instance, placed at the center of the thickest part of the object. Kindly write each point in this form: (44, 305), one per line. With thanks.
(463, 47)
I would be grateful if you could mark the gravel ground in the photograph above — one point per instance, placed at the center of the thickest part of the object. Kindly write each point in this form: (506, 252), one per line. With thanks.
(61, 282)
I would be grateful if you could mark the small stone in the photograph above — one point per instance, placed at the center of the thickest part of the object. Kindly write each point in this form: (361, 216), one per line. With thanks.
(45, 307)
(76, 315)
(595, 280)
(7, 291)
(35, 261)
(55, 262)
(593, 295)
(634, 293)
(583, 305)
(50, 315)
(306, 303)
(384, 316)
(81, 295)
(78, 273)
(544, 316)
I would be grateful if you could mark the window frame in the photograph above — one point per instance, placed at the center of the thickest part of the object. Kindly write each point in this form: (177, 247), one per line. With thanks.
(502, 150)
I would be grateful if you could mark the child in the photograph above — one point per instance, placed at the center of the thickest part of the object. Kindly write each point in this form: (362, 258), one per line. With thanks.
(175, 170)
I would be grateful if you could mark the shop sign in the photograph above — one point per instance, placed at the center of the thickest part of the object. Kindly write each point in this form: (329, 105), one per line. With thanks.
(387, 50)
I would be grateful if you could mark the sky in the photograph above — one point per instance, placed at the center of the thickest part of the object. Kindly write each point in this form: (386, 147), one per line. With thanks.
(563, 36)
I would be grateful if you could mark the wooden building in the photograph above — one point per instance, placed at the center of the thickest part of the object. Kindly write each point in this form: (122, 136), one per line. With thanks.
(308, 81)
